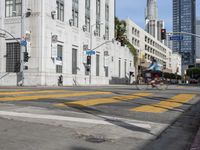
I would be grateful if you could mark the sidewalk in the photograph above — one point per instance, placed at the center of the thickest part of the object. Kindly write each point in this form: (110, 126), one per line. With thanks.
(196, 144)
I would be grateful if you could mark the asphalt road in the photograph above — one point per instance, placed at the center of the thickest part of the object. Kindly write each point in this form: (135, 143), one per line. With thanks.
(98, 118)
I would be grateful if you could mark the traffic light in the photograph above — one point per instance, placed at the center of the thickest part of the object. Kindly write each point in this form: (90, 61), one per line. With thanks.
(26, 57)
(163, 34)
(88, 60)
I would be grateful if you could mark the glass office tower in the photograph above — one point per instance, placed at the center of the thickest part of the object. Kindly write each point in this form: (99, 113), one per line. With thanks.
(198, 39)
(184, 16)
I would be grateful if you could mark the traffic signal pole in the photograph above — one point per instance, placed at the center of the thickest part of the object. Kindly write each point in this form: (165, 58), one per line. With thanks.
(90, 67)
(184, 33)
(22, 48)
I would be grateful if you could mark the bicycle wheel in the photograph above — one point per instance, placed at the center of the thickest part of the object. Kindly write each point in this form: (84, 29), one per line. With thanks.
(141, 83)
(162, 84)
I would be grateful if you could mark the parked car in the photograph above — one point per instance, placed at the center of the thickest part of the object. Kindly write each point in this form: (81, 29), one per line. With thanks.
(193, 81)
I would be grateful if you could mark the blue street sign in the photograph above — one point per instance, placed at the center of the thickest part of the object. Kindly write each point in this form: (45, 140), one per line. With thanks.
(23, 43)
(176, 38)
(90, 52)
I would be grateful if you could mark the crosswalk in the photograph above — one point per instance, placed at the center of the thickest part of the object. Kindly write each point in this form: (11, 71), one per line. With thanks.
(98, 98)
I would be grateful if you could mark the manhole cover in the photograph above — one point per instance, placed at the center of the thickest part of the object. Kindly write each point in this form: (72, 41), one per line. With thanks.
(95, 140)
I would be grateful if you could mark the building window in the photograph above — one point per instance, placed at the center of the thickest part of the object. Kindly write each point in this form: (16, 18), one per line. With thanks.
(98, 28)
(98, 16)
(106, 21)
(60, 10)
(12, 57)
(87, 15)
(59, 68)
(97, 64)
(13, 8)
(106, 33)
(98, 8)
(59, 58)
(119, 68)
(74, 61)
(106, 71)
(60, 52)
(87, 4)
(87, 23)
(107, 12)
(125, 71)
(75, 12)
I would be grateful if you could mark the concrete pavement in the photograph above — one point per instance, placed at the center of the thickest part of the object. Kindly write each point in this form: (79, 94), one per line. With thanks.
(98, 118)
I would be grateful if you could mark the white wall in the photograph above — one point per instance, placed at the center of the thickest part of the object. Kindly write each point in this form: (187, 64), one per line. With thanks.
(176, 63)
(42, 68)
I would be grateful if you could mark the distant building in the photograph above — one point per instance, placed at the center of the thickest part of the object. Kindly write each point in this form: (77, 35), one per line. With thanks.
(184, 16)
(153, 25)
(168, 42)
(198, 63)
(152, 10)
(198, 39)
(148, 47)
(176, 63)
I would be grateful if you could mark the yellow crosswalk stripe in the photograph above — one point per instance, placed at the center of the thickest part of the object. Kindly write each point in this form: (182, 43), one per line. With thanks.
(31, 92)
(51, 96)
(166, 105)
(98, 101)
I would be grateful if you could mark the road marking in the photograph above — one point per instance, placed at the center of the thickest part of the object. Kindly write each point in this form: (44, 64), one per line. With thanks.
(36, 97)
(68, 119)
(98, 101)
(33, 92)
(166, 105)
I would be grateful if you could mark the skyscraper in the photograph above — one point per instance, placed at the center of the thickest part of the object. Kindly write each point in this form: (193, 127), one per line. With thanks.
(184, 16)
(152, 10)
(153, 25)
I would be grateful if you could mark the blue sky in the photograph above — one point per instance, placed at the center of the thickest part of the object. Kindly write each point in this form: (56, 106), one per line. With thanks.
(135, 10)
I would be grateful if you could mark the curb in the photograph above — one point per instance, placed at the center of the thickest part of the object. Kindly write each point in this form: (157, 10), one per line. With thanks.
(196, 144)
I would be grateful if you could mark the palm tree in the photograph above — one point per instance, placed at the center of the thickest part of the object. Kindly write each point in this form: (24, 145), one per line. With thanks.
(120, 36)
(120, 31)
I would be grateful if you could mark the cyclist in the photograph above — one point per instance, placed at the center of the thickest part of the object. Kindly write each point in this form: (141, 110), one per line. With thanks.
(155, 70)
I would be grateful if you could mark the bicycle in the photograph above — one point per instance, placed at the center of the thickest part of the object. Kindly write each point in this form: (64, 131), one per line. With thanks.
(152, 79)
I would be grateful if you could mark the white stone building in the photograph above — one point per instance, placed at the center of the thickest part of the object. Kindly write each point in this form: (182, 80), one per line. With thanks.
(60, 33)
(176, 63)
(148, 46)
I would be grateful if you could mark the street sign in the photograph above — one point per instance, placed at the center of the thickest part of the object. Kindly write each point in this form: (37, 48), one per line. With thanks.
(176, 38)
(90, 52)
(23, 43)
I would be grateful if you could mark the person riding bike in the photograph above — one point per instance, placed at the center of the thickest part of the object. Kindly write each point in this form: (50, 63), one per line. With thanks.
(155, 70)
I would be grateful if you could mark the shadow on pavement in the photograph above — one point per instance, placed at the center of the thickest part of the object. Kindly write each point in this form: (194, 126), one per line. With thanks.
(119, 123)
(80, 148)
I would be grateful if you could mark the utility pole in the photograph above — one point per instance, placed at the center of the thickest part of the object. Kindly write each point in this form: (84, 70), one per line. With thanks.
(90, 71)
(22, 48)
